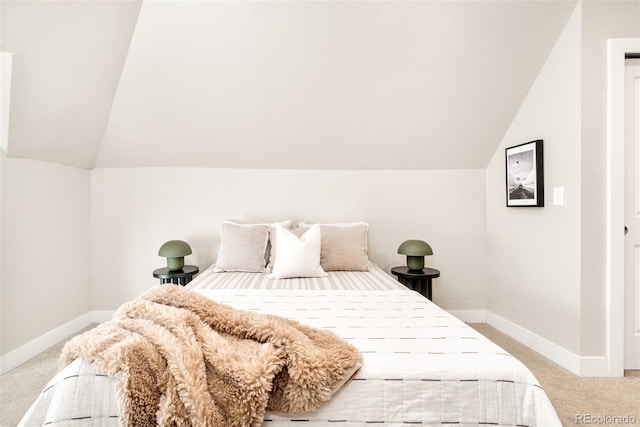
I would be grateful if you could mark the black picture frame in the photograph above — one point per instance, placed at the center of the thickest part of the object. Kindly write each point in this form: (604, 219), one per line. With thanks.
(524, 167)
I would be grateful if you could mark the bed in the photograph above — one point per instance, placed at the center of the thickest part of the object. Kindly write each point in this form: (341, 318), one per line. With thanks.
(421, 365)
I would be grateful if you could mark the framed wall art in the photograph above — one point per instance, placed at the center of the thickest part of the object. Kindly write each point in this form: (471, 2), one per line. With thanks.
(525, 174)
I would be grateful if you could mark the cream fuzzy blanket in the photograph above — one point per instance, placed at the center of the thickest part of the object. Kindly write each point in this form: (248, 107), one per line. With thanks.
(181, 359)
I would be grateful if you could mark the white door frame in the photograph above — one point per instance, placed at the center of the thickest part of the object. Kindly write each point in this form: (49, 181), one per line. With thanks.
(616, 51)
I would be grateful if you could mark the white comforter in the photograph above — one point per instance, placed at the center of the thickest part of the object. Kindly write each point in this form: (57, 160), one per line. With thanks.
(421, 366)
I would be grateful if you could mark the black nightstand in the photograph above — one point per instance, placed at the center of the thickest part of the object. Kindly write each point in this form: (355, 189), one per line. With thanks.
(178, 277)
(418, 280)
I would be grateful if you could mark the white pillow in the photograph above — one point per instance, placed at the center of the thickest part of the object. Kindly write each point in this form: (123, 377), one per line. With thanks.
(242, 247)
(344, 246)
(297, 256)
(271, 248)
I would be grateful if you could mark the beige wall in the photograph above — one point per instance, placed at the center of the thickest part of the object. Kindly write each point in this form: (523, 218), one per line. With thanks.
(46, 234)
(573, 315)
(533, 254)
(135, 210)
(76, 241)
(601, 20)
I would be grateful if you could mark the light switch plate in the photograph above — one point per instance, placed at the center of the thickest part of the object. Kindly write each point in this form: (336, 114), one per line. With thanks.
(558, 196)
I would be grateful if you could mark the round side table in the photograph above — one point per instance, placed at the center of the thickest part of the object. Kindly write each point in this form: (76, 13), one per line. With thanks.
(178, 277)
(418, 280)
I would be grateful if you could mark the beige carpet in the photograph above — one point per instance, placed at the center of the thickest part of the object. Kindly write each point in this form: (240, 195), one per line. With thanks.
(574, 397)
(20, 387)
(602, 399)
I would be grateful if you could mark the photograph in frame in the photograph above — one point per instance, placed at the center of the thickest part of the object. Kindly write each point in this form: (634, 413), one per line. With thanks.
(525, 175)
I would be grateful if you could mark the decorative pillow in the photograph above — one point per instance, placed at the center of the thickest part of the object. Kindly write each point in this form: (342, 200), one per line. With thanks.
(271, 249)
(242, 247)
(344, 246)
(297, 256)
(270, 252)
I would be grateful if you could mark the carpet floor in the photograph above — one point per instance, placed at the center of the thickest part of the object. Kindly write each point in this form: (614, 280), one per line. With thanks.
(578, 401)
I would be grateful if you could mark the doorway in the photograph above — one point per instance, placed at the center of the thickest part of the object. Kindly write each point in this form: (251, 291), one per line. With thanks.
(632, 216)
(618, 50)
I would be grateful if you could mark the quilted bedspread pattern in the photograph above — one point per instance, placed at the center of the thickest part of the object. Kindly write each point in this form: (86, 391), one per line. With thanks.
(421, 366)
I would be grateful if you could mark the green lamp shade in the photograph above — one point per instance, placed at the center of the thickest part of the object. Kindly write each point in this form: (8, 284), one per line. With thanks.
(415, 250)
(175, 251)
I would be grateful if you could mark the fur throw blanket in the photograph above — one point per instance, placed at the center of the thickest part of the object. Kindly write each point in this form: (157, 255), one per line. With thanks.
(181, 359)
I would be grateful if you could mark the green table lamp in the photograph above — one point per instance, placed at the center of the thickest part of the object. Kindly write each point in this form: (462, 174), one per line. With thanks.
(415, 250)
(175, 251)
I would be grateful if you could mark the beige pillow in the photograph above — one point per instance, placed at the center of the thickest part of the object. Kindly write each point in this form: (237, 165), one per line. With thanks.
(344, 246)
(242, 247)
(270, 253)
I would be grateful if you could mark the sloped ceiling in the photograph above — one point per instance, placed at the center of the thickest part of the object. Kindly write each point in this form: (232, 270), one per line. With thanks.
(67, 61)
(272, 84)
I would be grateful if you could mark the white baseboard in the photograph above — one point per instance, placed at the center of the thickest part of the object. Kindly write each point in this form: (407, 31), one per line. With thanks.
(580, 365)
(551, 351)
(470, 316)
(36, 346)
(595, 366)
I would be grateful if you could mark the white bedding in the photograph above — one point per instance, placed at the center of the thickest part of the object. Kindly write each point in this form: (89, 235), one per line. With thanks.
(373, 280)
(421, 365)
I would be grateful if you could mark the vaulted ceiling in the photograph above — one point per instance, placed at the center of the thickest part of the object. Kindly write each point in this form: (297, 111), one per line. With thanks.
(272, 84)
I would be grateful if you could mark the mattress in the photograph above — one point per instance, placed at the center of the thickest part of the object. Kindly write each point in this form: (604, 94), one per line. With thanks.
(421, 366)
(372, 280)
